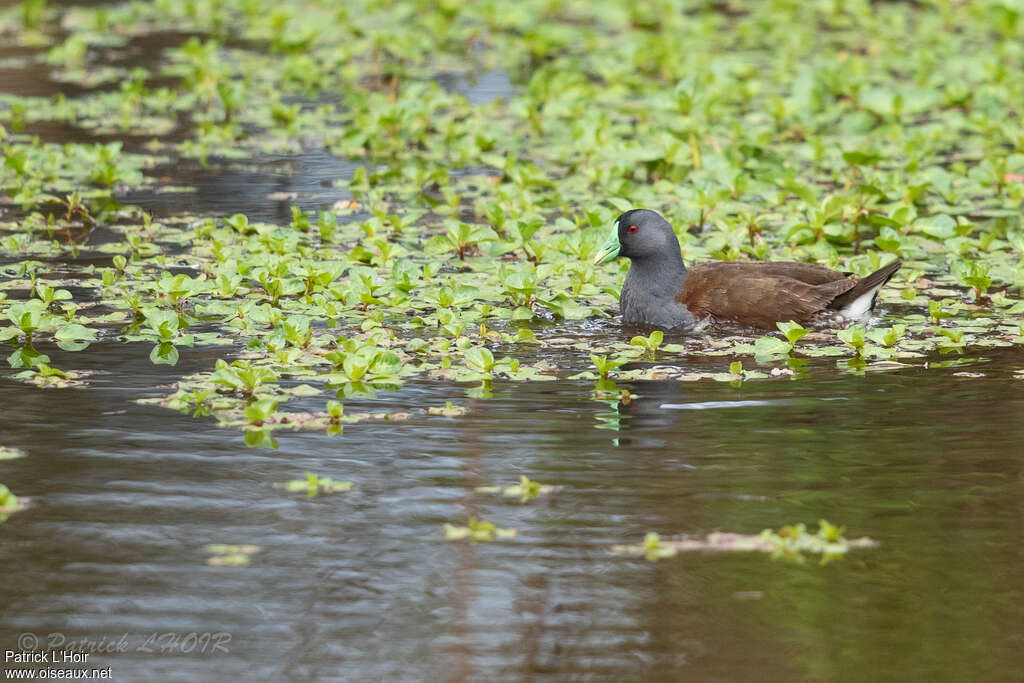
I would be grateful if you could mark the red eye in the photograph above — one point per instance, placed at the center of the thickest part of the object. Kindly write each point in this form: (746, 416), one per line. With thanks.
(631, 229)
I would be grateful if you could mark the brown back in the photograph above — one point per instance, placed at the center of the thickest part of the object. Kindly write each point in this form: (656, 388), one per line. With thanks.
(761, 293)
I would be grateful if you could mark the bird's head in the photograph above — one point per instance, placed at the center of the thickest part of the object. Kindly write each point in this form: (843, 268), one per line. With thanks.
(639, 234)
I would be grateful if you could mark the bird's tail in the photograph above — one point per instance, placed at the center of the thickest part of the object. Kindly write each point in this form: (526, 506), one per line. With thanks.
(861, 299)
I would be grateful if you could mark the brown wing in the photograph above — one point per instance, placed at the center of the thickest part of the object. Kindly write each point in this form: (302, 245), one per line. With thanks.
(752, 298)
(810, 273)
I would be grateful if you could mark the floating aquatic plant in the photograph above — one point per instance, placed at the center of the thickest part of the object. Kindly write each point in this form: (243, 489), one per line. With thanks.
(228, 555)
(649, 343)
(314, 485)
(790, 543)
(242, 377)
(854, 336)
(525, 490)
(447, 410)
(476, 530)
(604, 365)
(42, 375)
(9, 503)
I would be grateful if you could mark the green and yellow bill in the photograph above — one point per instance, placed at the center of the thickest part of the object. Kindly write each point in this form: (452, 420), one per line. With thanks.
(611, 247)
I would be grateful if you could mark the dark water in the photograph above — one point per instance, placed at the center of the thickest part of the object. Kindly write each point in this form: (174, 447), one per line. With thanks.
(263, 189)
(361, 586)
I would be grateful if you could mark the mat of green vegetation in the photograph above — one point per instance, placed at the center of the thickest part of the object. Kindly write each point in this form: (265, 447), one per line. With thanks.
(841, 133)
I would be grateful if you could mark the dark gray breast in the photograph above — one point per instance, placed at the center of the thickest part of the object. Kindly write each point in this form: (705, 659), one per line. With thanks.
(649, 296)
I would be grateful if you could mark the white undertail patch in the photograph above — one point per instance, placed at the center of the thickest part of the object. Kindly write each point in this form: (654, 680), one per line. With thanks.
(859, 308)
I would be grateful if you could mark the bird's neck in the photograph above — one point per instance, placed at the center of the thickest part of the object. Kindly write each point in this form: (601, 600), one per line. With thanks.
(663, 276)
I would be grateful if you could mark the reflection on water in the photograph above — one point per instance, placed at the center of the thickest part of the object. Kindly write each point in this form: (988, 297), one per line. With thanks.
(713, 405)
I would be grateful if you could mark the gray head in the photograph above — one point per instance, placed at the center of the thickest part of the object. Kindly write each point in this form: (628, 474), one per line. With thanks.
(640, 234)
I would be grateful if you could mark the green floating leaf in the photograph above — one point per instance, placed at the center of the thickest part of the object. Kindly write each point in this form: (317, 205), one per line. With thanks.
(768, 349)
(794, 331)
(604, 365)
(854, 336)
(476, 530)
(9, 503)
(651, 342)
(164, 353)
(27, 357)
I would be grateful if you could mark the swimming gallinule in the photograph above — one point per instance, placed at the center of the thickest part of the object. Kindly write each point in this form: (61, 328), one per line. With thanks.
(660, 290)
